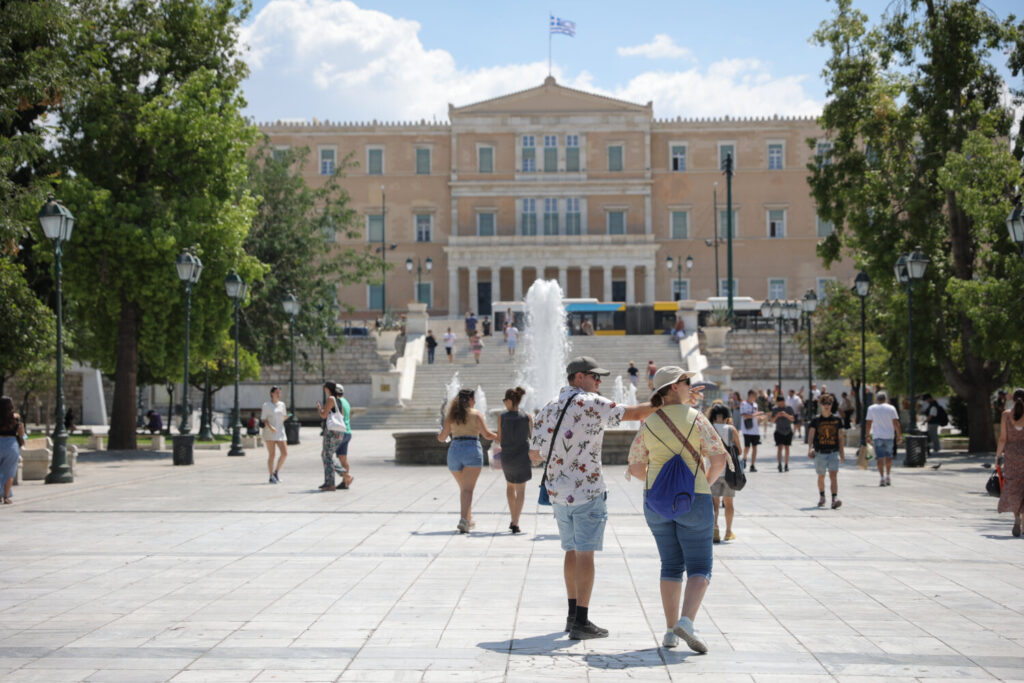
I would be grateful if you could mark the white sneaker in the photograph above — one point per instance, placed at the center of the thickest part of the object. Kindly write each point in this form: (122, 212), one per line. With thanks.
(670, 639)
(684, 629)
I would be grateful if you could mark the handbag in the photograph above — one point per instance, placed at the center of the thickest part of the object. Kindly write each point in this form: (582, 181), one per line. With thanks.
(672, 493)
(335, 422)
(496, 459)
(735, 477)
(544, 498)
(994, 486)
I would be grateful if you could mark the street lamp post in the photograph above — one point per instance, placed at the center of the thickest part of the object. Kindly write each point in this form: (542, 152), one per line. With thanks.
(809, 303)
(714, 221)
(170, 408)
(206, 413)
(291, 307)
(57, 224)
(189, 268)
(862, 286)
(420, 265)
(910, 267)
(677, 263)
(235, 287)
(729, 228)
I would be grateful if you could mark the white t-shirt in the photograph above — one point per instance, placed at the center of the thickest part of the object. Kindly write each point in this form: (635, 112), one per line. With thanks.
(512, 334)
(796, 404)
(881, 416)
(449, 339)
(273, 414)
(748, 408)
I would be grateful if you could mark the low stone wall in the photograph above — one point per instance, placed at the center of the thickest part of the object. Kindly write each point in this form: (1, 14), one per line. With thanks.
(755, 355)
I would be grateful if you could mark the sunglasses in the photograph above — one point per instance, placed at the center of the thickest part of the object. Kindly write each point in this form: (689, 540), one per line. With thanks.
(596, 377)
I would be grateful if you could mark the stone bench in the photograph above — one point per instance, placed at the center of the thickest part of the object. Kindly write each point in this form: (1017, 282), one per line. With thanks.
(95, 442)
(252, 441)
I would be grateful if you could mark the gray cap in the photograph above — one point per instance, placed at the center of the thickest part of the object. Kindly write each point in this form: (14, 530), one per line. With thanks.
(585, 364)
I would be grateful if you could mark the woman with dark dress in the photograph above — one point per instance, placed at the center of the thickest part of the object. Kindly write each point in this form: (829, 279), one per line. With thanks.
(514, 429)
(12, 438)
(1011, 448)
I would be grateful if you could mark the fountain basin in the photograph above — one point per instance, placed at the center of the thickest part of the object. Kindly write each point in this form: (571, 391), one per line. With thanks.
(423, 448)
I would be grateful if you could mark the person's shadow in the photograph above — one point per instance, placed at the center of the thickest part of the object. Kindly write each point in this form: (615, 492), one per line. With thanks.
(555, 644)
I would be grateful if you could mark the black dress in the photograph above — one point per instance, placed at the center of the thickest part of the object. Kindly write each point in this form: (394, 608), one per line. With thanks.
(515, 447)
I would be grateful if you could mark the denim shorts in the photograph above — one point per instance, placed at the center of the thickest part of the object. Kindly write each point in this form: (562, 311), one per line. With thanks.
(343, 446)
(581, 527)
(465, 452)
(826, 461)
(684, 543)
(884, 447)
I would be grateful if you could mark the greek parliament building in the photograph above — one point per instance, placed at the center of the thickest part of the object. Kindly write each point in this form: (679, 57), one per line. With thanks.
(557, 183)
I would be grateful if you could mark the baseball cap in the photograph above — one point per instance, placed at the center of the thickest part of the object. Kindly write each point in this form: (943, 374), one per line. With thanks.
(585, 364)
(670, 374)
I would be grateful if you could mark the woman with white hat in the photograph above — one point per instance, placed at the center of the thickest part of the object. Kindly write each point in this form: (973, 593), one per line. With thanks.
(672, 444)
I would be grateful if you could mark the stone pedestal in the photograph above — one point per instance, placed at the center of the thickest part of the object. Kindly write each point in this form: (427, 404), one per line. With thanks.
(688, 314)
(714, 338)
(96, 442)
(416, 319)
(35, 463)
(385, 388)
(157, 443)
(251, 442)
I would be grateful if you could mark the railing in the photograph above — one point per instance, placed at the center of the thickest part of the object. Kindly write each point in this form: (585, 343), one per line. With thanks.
(548, 240)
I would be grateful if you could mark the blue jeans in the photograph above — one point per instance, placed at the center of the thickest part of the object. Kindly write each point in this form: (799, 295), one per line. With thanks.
(581, 527)
(684, 543)
(883, 448)
(430, 354)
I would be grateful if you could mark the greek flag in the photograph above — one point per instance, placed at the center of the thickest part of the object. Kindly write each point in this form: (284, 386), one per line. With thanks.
(563, 26)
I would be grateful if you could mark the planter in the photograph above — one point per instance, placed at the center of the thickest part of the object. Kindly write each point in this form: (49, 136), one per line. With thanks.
(35, 463)
(714, 338)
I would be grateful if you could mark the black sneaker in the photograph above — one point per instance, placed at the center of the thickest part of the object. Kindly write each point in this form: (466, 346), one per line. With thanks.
(587, 631)
(821, 502)
(569, 623)
(786, 469)
(753, 469)
(780, 467)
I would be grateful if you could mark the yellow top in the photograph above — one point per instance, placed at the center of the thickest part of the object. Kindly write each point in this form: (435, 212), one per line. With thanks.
(654, 443)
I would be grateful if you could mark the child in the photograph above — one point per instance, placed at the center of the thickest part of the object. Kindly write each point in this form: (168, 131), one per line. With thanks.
(783, 417)
(826, 436)
(749, 415)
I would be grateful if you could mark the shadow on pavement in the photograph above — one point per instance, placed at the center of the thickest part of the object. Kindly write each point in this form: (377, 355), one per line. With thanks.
(122, 456)
(551, 644)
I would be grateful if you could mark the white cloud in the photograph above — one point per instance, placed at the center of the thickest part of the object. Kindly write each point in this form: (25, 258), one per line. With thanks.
(661, 47)
(334, 60)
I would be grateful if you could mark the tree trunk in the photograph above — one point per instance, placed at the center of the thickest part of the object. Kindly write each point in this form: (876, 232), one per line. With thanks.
(981, 438)
(122, 413)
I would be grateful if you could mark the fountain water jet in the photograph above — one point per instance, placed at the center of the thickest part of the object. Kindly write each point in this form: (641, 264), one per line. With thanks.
(545, 350)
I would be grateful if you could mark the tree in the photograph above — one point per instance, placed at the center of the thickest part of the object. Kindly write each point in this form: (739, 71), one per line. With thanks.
(157, 143)
(28, 328)
(294, 230)
(918, 124)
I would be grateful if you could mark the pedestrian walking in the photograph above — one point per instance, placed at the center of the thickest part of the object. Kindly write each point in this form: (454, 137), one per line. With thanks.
(796, 404)
(449, 344)
(651, 369)
(464, 424)
(331, 412)
(12, 439)
(511, 338)
(783, 419)
(935, 417)
(476, 345)
(346, 437)
(486, 325)
(882, 426)
(827, 439)
(845, 409)
(734, 408)
(679, 430)
(634, 373)
(568, 432)
(1011, 448)
(514, 429)
(470, 324)
(721, 493)
(431, 343)
(749, 415)
(272, 416)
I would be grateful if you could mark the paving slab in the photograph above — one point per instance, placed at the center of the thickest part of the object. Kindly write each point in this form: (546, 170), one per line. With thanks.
(143, 571)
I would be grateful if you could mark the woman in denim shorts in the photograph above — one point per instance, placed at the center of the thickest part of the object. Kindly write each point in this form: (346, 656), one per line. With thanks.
(684, 543)
(464, 425)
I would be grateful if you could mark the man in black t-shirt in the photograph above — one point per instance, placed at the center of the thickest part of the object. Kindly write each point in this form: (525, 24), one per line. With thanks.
(783, 417)
(827, 437)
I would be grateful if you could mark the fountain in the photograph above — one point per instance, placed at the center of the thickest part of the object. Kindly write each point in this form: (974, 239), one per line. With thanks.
(624, 393)
(545, 350)
(423, 448)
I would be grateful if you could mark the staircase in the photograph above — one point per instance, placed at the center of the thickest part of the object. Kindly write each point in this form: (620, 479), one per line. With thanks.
(497, 372)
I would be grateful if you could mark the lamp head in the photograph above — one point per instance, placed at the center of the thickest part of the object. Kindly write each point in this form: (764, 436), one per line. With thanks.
(917, 263)
(1015, 224)
(689, 262)
(669, 262)
(291, 305)
(902, 272)
(235, 286)
(862, 284)
(56, 220)
(189, 267)
(810, 301)
(408, 264)
(429, 264)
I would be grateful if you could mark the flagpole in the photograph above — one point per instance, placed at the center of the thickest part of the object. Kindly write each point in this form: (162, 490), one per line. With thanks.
(549, 42)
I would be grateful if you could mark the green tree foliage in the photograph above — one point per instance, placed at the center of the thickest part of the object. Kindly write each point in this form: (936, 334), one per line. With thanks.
(295, 231)
(28, 328)
(919, 126)
(158, 146)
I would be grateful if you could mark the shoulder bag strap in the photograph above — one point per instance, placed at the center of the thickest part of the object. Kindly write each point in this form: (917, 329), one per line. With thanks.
(554, 434)
(685, 440)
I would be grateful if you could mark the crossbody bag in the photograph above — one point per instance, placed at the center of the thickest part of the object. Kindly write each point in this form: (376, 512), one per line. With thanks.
(543, 498)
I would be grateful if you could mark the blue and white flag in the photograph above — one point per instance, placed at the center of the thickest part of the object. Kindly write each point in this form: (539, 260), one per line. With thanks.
(563, 26)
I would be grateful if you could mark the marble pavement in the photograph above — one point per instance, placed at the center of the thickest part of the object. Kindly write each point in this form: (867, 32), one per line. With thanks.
(141, 571)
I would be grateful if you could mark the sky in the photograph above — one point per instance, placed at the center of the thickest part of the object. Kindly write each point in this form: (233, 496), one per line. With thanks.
(405, 60)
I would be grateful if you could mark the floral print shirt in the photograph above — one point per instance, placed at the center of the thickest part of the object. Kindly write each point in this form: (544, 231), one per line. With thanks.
(574, 473)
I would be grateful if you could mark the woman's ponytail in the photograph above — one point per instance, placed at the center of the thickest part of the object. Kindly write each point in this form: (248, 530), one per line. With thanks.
(1018, 404)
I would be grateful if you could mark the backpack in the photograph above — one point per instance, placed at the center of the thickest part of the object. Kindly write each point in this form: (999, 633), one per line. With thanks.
(942, 417)
(672, 493)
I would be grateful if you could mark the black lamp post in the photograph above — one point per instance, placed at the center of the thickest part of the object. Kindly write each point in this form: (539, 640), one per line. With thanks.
(235, 287)
(910, 267)
(170, 408)
(1015, 225)
(862, 286)
(291, 427)
(777, 311)
(189, 269)
(671, 263)
(57, 224)
(809, 304)
(714, 219)
(420, 265)
(729, 228)
(206, 412)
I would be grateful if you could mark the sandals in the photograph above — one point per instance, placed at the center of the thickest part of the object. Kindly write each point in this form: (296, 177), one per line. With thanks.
(8, 501)
(514, 528)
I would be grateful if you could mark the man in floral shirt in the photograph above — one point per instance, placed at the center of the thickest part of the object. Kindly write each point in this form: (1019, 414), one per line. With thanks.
(574, 480)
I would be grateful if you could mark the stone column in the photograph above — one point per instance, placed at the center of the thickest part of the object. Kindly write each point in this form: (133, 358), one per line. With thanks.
(472, 298)
(607, 282)
(496, 284)
(648, 222)
(453, 291)
(649, 295)
(630, 284)
(563, 280)
(517, 282)
(585, 281)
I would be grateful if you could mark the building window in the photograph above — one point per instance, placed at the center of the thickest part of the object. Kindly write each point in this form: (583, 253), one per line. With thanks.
(775, 156)
(572, 216)
(375, 297)
(723, 226)
(777, 288)
(375, 227)
(280, 154)
(823, 153)
(678, 157)
(529, 154)
(424, 223)
(680, 225)
(616, 222)
(680, 289)
(550, 216)
(485, 224)
(726, 149)
(822, 287)
(422, 161)
(330, 234)
(375, 161)
(776, 223)
(326, 162)
(614, 157)
(871, 155)
(723, 287)
(485, 159)
(572, 153)
(825, 228)
(528, 219)
(425, 293)
(550, 153)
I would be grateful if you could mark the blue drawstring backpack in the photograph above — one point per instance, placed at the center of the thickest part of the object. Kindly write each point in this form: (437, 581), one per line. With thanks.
(671, 495)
